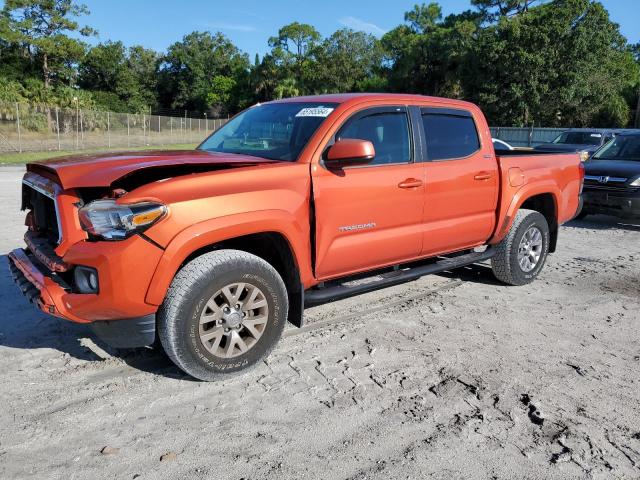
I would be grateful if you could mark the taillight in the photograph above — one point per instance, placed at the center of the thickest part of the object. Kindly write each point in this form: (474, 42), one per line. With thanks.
(582, 174)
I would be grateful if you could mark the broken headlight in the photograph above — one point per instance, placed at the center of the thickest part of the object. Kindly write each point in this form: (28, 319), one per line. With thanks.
(108, 220)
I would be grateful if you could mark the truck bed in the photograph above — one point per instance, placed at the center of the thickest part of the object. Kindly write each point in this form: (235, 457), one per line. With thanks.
(523, 174)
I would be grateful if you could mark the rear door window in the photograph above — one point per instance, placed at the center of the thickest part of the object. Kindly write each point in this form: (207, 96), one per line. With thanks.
(449, 134)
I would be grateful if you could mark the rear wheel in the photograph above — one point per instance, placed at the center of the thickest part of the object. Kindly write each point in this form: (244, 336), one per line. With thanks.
(522, 253)
(223, 313)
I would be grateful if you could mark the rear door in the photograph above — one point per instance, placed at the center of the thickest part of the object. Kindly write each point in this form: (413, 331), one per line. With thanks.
(370, 216)
(461, 181)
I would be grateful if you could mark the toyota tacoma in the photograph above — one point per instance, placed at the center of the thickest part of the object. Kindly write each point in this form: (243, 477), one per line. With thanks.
(209, 253)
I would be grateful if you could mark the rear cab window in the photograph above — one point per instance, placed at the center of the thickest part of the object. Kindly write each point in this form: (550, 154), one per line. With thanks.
(449, 133)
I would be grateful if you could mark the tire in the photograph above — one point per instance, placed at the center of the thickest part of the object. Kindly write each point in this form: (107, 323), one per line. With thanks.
(197, 332)
(506, 264)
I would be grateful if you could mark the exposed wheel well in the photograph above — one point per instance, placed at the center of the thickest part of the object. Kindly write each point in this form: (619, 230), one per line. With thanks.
(546, 205)
(274, 248)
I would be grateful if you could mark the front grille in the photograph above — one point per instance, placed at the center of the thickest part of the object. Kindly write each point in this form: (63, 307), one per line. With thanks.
(43, 212)
(610, 188)
(39, 196)
(607, 182)
(604, 179)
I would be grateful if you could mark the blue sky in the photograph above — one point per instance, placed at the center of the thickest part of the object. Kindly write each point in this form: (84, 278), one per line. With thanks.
(249, 23)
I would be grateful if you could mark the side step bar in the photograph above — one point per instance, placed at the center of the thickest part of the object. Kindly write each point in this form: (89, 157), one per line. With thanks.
(318, 296)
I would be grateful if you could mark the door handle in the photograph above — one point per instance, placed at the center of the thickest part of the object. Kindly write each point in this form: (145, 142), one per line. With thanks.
(482, 176)
(410, 183)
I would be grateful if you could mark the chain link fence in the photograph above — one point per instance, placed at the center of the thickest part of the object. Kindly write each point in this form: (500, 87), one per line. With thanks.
(31, 128)
(526, 136)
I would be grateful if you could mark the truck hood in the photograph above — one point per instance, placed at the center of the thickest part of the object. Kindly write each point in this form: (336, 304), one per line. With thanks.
(103, 170)
(565, 147)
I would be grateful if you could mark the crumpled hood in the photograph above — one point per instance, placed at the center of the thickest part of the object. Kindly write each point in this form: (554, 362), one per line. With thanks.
(101, 170)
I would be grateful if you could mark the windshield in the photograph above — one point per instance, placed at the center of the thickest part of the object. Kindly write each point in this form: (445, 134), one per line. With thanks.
(276, 131)
(579, 138)
(625, 147)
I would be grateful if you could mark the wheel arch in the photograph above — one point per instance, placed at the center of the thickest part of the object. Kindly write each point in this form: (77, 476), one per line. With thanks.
(545, 200)
(545, 204)
(275, 249)
(276, 241)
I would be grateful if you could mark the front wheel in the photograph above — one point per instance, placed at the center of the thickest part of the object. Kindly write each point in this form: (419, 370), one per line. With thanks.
(521, 255)
(224, 312)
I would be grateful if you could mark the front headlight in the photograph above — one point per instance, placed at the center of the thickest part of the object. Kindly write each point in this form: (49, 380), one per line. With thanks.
(635, 183)
(584, 155)
(110, 221)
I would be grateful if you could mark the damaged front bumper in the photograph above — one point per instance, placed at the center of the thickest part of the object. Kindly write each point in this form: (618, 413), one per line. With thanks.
(39, 288)
(118, 312)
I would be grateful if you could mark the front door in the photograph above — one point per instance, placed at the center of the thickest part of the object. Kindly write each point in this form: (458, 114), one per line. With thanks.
(370, 216)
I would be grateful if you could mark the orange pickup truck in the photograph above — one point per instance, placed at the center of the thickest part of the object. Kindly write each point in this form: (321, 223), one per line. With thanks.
(209, 253)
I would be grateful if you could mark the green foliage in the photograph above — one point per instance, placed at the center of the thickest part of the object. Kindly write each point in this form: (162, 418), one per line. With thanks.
(291, 62)
(40, 28)
(11, 91)
(345, 62)
(34, 122)
(285, 88)
(123, 80)
(188, 70)
(221, 90)
(427, 55)
(424, 18)
(562, 63)
(295, 42)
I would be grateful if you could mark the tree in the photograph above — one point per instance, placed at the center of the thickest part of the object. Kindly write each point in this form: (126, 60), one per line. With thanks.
(635, 51)
(297, 39)
(221, 91)
(494, 9)
(557, 64)
(188, 70)
(347, 61)
(423, 18)
(104, 68)
(121, 79)
(293, 51)
(143, 64)
(42, 28)
(426, 55)
(265, 79)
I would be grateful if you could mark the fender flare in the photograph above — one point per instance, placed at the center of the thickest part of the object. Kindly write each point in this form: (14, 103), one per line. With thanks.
(216, 230)
(521, 196)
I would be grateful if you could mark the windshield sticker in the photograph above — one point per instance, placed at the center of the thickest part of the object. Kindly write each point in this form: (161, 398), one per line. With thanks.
(314, 112)
(596, 135)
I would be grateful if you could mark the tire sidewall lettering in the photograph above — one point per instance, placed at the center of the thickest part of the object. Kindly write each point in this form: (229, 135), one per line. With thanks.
(201, 296)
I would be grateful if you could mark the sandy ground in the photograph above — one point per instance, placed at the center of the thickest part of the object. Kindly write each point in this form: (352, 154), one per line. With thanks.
(451, 376)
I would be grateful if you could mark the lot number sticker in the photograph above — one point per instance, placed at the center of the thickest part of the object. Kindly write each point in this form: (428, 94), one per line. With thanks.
(314, 112)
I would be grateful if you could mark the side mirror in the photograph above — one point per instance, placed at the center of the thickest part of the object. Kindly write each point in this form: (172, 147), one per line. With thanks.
(350, 151)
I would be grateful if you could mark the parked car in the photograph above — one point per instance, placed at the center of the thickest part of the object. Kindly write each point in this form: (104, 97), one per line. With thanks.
(214, 250)
(582, 140)
(612, 179)
(501, 144)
